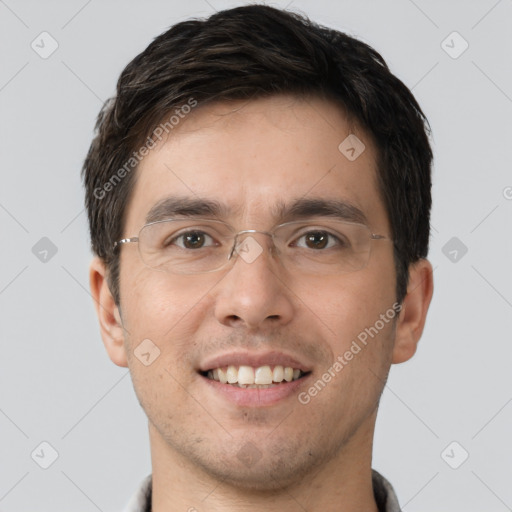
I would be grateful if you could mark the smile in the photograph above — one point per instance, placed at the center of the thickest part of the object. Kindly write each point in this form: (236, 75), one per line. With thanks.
(261, 377)
(254, 379)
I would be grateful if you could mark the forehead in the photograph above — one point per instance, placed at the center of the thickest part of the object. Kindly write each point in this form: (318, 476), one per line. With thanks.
(256, 159)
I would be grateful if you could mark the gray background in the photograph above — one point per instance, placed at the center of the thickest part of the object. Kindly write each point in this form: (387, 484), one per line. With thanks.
(56, 381)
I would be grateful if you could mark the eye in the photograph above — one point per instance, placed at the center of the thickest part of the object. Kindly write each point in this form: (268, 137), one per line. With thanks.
(321, 239)
(190, 240)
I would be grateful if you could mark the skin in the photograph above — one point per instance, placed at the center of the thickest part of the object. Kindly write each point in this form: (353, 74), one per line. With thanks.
(315, 456)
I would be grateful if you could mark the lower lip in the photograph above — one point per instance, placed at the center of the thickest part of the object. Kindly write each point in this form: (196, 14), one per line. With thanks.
(256, 397)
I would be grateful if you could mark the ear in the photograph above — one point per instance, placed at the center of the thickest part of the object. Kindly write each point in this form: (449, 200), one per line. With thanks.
(413, 314)
(108, 313)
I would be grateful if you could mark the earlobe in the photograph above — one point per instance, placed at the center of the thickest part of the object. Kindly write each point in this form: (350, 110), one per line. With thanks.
(412, 317)
(109, 317)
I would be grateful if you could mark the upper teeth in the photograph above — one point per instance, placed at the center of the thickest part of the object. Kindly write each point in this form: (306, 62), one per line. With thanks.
(247, 375)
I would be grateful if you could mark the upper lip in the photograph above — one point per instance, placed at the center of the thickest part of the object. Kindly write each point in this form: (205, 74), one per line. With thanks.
(255, 360)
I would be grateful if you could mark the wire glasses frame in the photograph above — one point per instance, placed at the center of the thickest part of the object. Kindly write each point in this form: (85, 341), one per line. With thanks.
(159, 251)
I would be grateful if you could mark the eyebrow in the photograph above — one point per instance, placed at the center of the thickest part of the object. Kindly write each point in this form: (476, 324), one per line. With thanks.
(191, 207)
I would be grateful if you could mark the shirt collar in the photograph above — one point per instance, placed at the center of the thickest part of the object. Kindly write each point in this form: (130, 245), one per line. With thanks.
(141, 500)
(383, 491)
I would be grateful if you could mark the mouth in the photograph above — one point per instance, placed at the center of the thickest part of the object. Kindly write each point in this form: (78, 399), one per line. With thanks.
(261, 377)
(254, 380)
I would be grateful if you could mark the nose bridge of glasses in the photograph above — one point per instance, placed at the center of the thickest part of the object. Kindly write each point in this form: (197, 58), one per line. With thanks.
(245, 243)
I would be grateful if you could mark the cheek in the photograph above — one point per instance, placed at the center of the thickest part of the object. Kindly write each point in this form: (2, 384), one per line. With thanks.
(348, 311)
(168, 310)
(160, 308)
(157, 302)
(345, 305)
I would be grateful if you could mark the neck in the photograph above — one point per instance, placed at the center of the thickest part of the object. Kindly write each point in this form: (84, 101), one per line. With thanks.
(342, 484)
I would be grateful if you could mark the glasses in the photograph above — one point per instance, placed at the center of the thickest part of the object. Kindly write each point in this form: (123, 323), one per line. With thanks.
(184, 246)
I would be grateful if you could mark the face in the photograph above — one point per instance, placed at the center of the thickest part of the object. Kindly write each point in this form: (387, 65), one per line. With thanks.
(251, 157)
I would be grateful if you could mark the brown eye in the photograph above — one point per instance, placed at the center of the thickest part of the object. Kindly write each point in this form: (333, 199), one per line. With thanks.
(317, 240)
(320, 239)
(193, 240)
(190, 240)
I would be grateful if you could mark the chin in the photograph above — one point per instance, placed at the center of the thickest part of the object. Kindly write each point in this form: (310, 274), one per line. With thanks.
(252, 471)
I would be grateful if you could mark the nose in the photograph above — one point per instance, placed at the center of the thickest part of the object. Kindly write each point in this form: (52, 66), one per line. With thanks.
(254, 293)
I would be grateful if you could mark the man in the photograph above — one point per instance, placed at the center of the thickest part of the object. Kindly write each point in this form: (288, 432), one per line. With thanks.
(259, 198)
